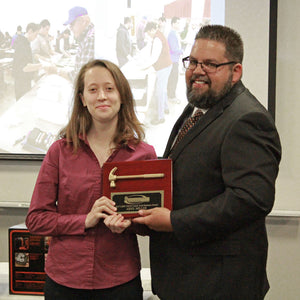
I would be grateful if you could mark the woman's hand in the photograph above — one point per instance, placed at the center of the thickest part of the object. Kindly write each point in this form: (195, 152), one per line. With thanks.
(117, 223)
(102, 208)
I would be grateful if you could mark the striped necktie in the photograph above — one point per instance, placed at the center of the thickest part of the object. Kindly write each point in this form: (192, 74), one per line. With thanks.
(189, 123)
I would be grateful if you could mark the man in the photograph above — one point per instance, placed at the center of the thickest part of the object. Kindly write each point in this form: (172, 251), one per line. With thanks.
(162, 22)
(15, 36)
(175, 52)
(140, 34)
(41, 47)
(84, 33)
(63, 44)
(161, 61)
(23, 66)
(123, 42)
(213, 245)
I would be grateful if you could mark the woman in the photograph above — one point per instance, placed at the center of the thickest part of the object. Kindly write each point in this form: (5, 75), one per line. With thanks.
(86, 260)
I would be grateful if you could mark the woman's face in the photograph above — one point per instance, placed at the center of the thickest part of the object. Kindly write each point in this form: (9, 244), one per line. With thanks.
(101, 96)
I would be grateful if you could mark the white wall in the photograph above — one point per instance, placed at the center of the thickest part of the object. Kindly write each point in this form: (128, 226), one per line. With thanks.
(284, 258)
(284, 233)
(251, 20)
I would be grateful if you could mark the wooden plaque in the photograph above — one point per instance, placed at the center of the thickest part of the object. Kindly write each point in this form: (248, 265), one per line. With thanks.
(135, 185)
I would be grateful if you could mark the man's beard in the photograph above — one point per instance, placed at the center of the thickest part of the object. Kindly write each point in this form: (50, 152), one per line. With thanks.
(209, 98)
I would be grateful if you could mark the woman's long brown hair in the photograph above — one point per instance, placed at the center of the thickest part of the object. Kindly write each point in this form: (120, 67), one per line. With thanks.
(128, 128)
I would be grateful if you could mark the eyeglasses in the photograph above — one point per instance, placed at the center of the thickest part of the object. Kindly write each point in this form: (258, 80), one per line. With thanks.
(208, 67)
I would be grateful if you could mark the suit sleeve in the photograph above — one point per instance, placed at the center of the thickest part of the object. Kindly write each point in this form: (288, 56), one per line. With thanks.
(249, 158)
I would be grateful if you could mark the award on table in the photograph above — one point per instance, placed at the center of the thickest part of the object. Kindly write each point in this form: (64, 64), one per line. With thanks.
(135, 185)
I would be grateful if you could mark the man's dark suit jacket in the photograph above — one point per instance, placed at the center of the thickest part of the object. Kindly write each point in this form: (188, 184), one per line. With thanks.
(224, 173)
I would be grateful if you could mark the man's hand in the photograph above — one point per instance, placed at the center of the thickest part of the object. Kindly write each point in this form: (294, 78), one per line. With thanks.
(158, 219)
(116, 223)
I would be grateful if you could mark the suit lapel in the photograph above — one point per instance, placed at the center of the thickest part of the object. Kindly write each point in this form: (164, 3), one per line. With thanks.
(204, 121)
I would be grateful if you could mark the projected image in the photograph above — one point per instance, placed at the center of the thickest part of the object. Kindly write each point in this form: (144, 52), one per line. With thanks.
(44, 46)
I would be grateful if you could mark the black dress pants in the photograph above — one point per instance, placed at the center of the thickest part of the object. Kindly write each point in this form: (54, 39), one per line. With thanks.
(131, 290)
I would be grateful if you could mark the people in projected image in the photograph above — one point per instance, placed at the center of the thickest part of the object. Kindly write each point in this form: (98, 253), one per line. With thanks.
(162, 22)
(184, 32)
(66, 43)
(123, 42)
(63, 43)
(159, 58)
(188, 35)
(140, 33)
(24, 68)
(175, 52)
(41, 46)
(6, 41)
(83, 31)
(86, 258)
(15, 36)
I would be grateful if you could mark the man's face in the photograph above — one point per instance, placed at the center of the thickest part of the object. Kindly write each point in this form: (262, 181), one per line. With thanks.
(77, 26)
(206, 89)
(176, 26)
(45, 30)
(129, 25)
(151, 33)
(32, 35)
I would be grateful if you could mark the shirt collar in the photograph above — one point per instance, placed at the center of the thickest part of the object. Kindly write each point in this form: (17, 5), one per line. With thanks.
(129, 145)
(204, 110)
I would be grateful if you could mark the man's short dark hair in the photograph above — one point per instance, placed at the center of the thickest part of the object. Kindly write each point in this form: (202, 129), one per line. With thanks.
(149, 26)
(127, 20)
(33, 26)
(45, 23)
(229, 37)
(174, 20)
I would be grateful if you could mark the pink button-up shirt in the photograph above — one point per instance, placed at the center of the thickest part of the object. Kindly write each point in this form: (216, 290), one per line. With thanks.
(66, 189)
